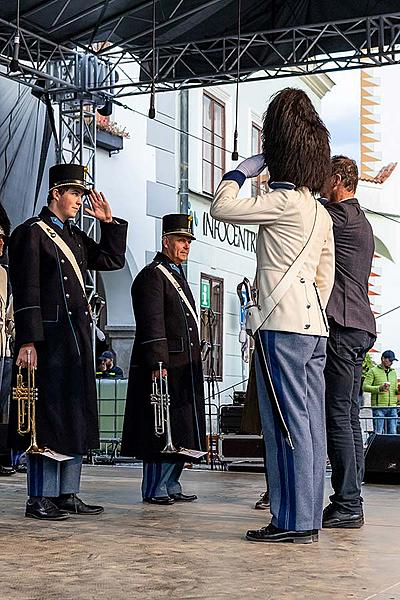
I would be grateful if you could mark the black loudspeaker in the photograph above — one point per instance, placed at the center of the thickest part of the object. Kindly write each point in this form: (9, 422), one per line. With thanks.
(231, 418)
(106, 110)
(382, 459)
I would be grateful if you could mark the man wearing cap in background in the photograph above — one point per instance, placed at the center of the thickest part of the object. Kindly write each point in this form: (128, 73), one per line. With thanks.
(49, 257)
(166, 332)
(381, 382)
(106, 368)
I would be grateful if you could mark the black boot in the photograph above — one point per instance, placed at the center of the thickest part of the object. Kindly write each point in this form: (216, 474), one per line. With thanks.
(74, 505)
(6, 471)
(43, 508)
(274, 534)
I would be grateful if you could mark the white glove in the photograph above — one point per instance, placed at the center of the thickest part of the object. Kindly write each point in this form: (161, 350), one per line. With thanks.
(253, 166)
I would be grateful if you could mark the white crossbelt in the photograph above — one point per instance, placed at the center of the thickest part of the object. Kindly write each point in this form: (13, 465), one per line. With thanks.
(65, 249)
(178, 288)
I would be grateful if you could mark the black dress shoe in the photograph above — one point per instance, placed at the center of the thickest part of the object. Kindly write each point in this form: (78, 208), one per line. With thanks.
(43, 508)
(333, 518)
(274, 534)
(263, 503)
(6, 471)
(183, 497)
(21, 468)
(74, 505)
(165, 500)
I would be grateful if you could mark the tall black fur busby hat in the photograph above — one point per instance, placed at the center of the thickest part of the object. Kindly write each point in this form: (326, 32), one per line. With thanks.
(178, 224)
(67, 175)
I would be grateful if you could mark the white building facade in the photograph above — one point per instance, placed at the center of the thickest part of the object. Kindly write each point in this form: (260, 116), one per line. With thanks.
(162, 170)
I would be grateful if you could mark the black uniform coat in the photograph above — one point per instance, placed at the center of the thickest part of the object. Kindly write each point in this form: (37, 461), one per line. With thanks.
(51, 311)
(165, 331)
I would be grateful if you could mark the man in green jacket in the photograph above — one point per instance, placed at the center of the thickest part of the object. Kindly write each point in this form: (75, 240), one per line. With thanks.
(381, 382)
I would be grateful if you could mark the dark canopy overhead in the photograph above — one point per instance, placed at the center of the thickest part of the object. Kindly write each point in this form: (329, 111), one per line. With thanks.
(197, 40)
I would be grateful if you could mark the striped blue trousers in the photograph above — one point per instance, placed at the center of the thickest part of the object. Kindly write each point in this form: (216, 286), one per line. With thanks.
(161, 479)
(296, 476)
(50, 478)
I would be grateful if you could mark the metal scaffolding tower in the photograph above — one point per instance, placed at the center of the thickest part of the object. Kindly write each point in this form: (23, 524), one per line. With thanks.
(77, 144)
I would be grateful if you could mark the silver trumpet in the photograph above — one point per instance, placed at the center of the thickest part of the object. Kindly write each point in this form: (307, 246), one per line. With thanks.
(160, 399)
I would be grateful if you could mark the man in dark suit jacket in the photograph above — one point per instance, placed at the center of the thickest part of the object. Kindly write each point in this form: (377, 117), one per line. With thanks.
(352, 333)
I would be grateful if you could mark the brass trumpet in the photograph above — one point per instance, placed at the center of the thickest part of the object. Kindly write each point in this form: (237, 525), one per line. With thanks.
(26, 394)
(160, 399)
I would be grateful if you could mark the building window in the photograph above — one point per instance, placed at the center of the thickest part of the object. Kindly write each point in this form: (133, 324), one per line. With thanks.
(212, 323)
(213, 143)
(256, 148)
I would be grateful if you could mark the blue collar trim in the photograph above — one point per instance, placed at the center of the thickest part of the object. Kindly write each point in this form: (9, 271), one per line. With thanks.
(57, 221)
(282, 185)
(175, 267)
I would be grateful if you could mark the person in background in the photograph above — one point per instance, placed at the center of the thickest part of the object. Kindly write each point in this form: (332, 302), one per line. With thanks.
(381, 382)
(107, 369)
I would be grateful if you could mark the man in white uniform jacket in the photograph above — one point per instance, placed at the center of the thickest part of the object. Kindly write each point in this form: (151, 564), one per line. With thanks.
(292, 336)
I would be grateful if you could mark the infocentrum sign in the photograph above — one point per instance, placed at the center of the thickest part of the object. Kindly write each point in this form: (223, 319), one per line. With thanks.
(234, 235)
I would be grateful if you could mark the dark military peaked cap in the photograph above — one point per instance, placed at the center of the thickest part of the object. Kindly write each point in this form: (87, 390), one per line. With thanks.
(71, 175)
(178, 224)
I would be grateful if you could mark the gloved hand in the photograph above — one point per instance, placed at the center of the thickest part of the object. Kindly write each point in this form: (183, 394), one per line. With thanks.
(253, 166)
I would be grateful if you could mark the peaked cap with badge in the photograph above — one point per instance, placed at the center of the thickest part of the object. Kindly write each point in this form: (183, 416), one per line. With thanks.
(70, 175)
(178, 224)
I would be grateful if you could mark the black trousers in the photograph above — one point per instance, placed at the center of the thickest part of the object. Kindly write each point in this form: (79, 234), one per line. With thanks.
(346, 350)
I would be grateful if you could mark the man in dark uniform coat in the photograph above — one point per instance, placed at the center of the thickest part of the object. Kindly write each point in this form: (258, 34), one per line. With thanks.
(167, 332)
(351, 334)
(53, 330)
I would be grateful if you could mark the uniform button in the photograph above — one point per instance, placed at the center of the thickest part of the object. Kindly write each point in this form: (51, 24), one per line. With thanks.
(65, 278)
(302, 280)
(190, 328)
(187, 314)
(69, 312)
(308, 306)
(83, 296)
(307, 326)
(67, 295)
(63, 261)
(191, 343)
(86, 312)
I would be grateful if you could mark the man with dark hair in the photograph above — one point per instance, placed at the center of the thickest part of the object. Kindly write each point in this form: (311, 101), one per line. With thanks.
(49, 257)
(107, 369)
(381, 382)
(351, 334)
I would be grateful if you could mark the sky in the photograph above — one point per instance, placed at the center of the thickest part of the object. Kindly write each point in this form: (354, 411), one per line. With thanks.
(340, 109)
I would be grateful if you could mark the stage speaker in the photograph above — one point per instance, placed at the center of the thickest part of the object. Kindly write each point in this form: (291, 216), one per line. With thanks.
(382, 459)
(247, 448)
(230, 418)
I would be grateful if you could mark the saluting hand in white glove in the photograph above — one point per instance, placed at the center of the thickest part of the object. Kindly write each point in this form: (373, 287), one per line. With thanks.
(253, 166)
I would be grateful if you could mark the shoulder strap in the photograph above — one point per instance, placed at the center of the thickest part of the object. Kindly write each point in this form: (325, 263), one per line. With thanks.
(65, 249)
(269, 303)
(178, 288)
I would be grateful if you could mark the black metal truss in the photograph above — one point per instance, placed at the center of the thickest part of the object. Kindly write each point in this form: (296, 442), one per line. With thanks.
(364, 42)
